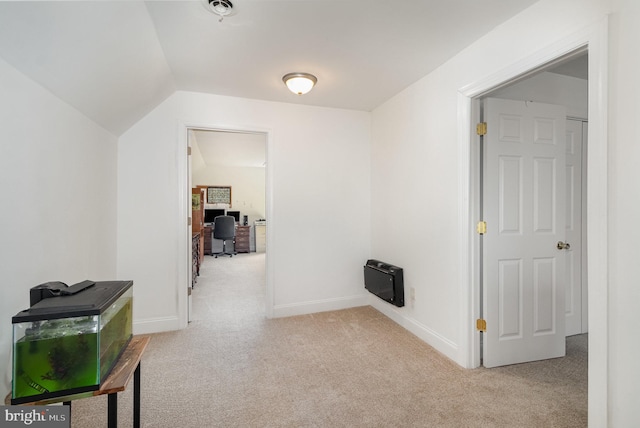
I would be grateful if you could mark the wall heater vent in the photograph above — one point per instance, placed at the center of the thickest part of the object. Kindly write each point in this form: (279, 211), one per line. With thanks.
(385, 281)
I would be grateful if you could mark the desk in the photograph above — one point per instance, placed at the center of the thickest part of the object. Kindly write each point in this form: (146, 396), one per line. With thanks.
(242, 239)
(208, 231)
(127, 365)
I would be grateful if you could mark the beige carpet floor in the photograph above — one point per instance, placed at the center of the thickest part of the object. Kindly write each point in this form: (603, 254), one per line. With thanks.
(232, 367)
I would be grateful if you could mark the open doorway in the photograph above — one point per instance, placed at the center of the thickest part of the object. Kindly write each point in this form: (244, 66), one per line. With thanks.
(594, 40)
(227, 170)
(533, 170)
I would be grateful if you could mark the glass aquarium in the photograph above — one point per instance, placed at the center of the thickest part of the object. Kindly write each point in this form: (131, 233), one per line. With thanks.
(68, 342)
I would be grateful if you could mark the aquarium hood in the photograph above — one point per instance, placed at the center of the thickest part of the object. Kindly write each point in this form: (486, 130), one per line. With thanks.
(53, 300)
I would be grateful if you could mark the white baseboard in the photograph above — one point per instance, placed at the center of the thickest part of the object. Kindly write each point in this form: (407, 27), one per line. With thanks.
(310, 307)
(156, 325)
(440, 343)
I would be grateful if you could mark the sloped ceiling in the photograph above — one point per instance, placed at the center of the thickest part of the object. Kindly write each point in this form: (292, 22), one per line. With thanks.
(230, 149)
(576, 67)
(116, 60)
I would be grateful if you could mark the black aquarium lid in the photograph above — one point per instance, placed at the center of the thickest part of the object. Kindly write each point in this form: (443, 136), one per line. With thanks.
(92, 300)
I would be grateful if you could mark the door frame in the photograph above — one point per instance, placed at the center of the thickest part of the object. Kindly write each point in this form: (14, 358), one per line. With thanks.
(593, 39)
(184, 203)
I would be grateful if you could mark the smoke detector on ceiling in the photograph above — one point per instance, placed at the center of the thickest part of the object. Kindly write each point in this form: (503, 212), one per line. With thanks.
(222, 8)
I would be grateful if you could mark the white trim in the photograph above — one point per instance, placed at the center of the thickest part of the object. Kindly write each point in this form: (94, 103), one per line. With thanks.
(183, 271)
(314, 306)
(597, 227)
(154, 325)
(469, 351)
(269, 260)
(184, 201)
(429, 336)
(585, 261)
(438, 342)
(595, 38)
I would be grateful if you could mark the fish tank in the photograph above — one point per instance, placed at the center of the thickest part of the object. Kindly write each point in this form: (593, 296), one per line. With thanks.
(70, 338)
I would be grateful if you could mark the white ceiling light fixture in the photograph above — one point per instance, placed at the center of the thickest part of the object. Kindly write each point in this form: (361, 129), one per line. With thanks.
(299, 83)
(222, 8)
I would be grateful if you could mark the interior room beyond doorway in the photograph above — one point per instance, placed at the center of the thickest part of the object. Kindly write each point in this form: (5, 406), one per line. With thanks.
(227, 175)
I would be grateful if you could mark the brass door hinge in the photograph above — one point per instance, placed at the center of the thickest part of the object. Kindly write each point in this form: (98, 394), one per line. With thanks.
(481, 128)
(188, 150)
(189, 221)
(481, 325)
(481, 227)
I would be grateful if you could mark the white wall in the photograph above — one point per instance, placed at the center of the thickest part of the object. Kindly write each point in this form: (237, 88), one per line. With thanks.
(624, 212)
(420, 199)
(318, 159)
(415, 162)
(58, 186)
(320, 165)
(414, 149)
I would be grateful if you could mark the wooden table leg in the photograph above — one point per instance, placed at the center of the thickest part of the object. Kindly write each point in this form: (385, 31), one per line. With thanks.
(112, 410)
(136, 397)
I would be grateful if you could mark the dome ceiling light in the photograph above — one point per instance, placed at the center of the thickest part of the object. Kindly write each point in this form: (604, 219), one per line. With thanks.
(222, 8)
(299, 83)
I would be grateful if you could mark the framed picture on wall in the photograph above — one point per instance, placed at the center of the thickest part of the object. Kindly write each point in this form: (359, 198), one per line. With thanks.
(219, 195)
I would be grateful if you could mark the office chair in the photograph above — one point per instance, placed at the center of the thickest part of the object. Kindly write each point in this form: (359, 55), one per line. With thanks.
(224, 228)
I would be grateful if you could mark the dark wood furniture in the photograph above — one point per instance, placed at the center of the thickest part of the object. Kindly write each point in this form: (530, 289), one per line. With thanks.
(197, 235)
(197, 218)
(242, 239)
(208, 246)
(196, 250)
(127, 366)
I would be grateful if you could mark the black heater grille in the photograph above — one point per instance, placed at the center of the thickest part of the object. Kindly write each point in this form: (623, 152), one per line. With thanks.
(385, 281)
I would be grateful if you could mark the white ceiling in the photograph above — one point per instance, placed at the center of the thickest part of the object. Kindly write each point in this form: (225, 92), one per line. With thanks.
(116, 60)
(230, 149)
(575, 67)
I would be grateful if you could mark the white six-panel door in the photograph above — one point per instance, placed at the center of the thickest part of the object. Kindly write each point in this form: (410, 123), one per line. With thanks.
(524, 207)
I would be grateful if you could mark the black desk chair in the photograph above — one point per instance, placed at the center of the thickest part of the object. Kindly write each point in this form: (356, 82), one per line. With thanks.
(224, 228)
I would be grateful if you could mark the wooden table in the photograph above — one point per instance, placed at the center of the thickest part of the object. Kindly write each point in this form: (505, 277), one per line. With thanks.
(128, 365)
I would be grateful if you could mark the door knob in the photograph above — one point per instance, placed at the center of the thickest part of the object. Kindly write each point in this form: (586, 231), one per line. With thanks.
(563, 245)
